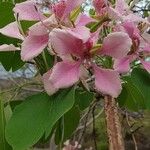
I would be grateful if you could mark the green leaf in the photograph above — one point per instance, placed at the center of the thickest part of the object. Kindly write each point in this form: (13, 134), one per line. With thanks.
(13, 104)
(26, 25)
(71, 122)
(83, 99)
(3, 143)
(7, 15)
(141, 79)
(27, 122)
(35, 116)
(66, 126)
(59, 134)
(60, 104)
(131, 98)
(11, 60)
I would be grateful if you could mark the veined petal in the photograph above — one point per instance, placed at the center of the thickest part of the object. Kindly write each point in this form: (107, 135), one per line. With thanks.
(81, 32)
(135, 18)
(116, 45)
(114, 14)
(122, 65)
(10, 47)
(11, 30)
(48, 86)
(107, 81)
(27, 11)
(121, 6)
(83, 20)
(63, 75)
(32, 46)
(42, 28)
(146, 48)
(131, 29)
(69, 41)
(146, 65)
(71, 5)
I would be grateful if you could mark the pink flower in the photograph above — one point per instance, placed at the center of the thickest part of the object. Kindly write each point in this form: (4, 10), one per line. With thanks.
(63, 8)
(122, 12)
(100, 6)
(37, 39)
(38, 36)
(139, 47)
(11, 30)
(77, 44)
(6, 47)
(28, 11)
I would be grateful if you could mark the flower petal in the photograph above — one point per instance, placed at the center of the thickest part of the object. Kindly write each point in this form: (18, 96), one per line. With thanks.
(63, 75)
(48, 86)
(121, 6)
(122, 65)
(11, 30)
(116, 45)
(43, 27)
(27, 11)
(6, 47)
(32, 46)
(83, 20)
(131, 29)
(69, 41)
(71, 5)
(107, 81)
(146, 65)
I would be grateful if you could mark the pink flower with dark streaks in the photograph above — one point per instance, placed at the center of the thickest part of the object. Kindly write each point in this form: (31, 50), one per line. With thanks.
(138, 49)
(74, 46)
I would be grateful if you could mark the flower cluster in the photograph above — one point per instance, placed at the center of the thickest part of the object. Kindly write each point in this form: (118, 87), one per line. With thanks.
(81, 43)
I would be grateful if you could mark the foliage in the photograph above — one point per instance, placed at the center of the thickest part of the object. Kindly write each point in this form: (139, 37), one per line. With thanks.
(80, 59)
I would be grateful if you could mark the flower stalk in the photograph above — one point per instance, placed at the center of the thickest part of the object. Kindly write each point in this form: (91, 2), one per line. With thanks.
(114, 132)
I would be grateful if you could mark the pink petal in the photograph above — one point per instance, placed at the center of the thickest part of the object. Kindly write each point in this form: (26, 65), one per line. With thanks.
(135, 18)
(48, 86)
(114, 14)
(44, 27)
(81, 32)
(121, 6)
(147, 48)
(116, 45)
(32, 46)
(63, 75)
(122, 65)
(83, 20)
(131, 29)
(146, 65)
(69, 41)
(71, 5)
(11, 30)
(6, 47)
(100, 6)
(27, 11)
(107, 81)
(59, 9)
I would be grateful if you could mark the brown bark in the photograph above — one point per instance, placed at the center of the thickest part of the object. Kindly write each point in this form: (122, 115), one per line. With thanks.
(114, 132)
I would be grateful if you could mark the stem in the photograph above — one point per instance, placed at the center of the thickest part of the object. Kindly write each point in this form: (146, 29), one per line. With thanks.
(94, 129)
(113, 124)
(45, 61)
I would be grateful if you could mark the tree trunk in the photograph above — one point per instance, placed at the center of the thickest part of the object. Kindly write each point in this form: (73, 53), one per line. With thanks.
(114, 132)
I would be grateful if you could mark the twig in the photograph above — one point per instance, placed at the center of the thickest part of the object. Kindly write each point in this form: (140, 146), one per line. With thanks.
(94, 128)
(132, 133)
(86, 120)
(88, 123)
